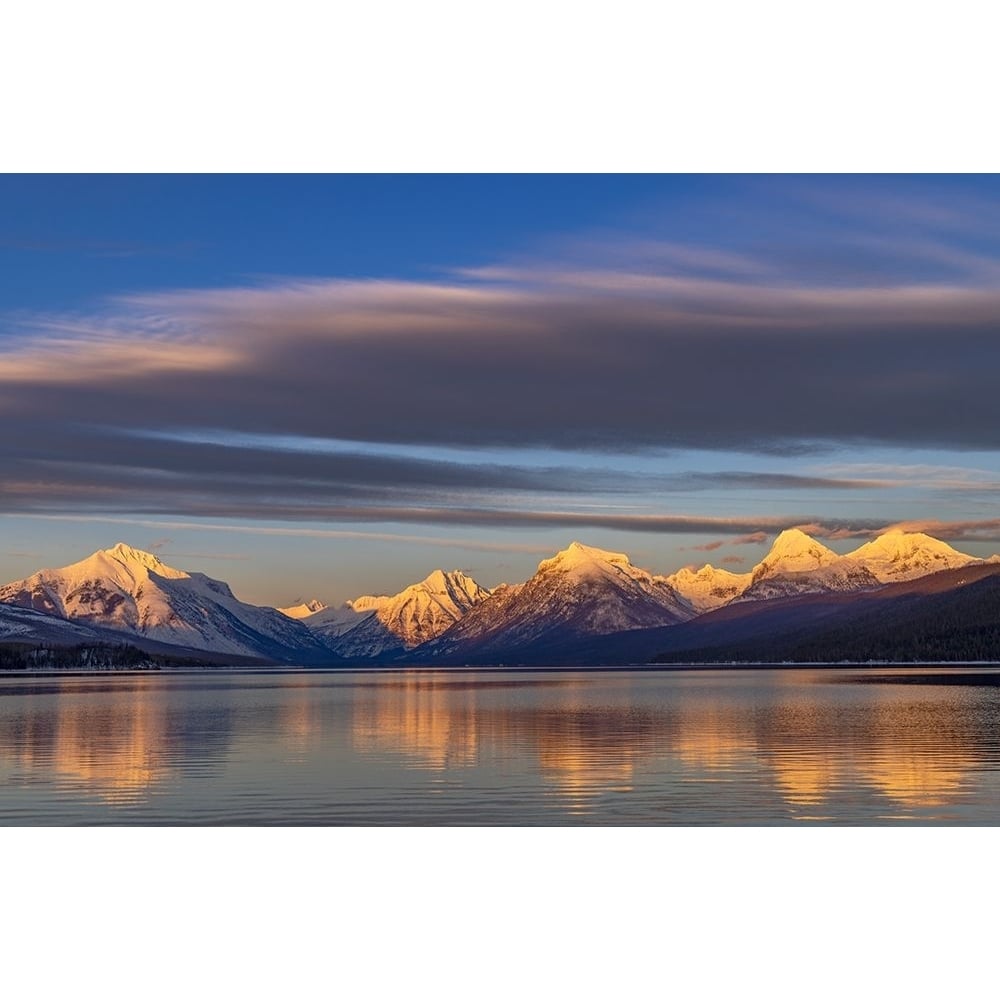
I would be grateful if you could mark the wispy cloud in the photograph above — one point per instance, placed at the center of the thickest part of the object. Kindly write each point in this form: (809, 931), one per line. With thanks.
(985, 530)
(612, 360)
(471, 544)
(753, 537)
(884, 332)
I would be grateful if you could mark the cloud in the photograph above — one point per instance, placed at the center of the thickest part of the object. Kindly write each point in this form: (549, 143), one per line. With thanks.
(882, 333)
(707, 547)
(472, 544)
(583, 360)
(771, 481)
(481, 517)
(75, 466)
(733, 560)
(985, 530)
(753, 537)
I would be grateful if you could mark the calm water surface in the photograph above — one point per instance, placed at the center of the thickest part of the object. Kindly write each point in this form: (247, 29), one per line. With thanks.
(738, 747)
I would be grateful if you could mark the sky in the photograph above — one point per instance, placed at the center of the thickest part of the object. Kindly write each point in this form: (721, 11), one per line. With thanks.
(324, 386)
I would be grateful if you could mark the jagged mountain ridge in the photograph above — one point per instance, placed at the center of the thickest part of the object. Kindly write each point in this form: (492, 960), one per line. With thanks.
(303, 610)
(898, 556)
(133, 592)
(950, 615)
(799, 564)
(578, 594)
(709, 587)
(375, 625)
(579, 591)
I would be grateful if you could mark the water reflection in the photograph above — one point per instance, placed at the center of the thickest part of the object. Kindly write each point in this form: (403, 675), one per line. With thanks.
(917, 755)
(697, 747)
(706, 736)
(114, 748)
(806, 778)
(811, 747)
(299, 720)
(421, 716)
(116, 741)
(587, 753)
(918, 779)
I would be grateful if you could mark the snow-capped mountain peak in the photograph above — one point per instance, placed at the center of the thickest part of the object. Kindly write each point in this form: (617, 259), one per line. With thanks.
(898, 555)
(579, 592)
(794, 551)
(372, 624)
(303, 610)
(709, 587)
(125, 562)
(132, 591)
(128, 555)
(798, 564)
(577, 556)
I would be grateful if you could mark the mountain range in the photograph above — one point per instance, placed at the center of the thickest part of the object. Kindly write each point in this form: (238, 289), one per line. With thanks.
(900, 595)
(134, 594)
(374, 626)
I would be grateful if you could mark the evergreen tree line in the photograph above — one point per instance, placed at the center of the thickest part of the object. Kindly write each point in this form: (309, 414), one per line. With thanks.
(960, 625)
(86, 656)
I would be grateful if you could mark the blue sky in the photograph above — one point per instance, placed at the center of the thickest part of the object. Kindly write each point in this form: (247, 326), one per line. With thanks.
(324, 386)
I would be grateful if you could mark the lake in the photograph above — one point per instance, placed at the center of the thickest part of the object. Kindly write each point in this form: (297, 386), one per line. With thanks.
(624, 747)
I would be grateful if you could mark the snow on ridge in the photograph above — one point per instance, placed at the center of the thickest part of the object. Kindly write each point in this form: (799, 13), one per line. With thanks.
(303, 610)
(134, 592)
(371, 625)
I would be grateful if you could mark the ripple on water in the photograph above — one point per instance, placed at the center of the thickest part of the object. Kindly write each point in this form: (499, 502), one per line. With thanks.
(413, 748)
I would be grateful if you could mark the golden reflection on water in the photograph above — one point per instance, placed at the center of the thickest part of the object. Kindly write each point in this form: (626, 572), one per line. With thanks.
(583, 750)
(918, 758)
(420, 716)
(806, 779)
(914, 755)
(299, 720)
(708, 738)
(586, 753)
(816, 748)
(798, 741)
(917, 779)
(115, 749)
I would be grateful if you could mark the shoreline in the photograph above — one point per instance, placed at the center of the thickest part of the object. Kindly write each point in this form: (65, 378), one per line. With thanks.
(79, 672)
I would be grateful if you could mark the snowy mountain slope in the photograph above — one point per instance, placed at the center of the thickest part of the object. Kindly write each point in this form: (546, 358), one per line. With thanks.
(708, 588)
(579, 591)
(25, 625)
(898, 556)
(793, 551)
(133, 592)
(372, 626)
(798, 564)
(304, 610)
(333, 622)
(367, 639)
(34, 628)
(844, 576)
(424, 610)
(947, 615)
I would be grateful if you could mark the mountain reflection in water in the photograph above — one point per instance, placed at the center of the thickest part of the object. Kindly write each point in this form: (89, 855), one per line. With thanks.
(660, 747)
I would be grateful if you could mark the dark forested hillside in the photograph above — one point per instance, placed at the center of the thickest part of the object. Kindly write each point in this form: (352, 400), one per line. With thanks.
(958, 625)
(99, 656)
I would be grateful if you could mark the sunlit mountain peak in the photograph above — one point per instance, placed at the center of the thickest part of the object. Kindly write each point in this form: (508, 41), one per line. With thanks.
(576, 554)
